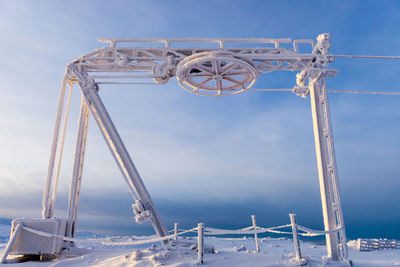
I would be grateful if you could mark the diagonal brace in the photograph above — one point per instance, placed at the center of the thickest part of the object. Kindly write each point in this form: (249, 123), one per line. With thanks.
(143, 207)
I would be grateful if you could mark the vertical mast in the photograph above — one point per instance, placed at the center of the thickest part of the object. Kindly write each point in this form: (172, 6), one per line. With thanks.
(325, 152)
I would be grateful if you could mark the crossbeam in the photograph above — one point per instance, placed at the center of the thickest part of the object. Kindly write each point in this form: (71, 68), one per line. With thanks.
(170, 41)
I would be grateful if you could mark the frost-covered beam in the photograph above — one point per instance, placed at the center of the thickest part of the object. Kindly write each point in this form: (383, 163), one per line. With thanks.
(144, 208)
(76, 180)
(325, 152)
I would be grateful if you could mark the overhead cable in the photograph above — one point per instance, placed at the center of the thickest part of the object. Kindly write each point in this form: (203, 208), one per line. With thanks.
(366, 56)
(334, 91)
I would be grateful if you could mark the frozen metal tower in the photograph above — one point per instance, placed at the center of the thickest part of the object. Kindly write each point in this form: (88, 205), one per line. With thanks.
(212, 67)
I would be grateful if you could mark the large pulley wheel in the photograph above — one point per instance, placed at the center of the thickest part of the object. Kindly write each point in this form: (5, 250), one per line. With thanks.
(216, 73)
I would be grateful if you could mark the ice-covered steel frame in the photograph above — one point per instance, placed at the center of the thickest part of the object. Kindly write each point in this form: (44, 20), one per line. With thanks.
(212, 67)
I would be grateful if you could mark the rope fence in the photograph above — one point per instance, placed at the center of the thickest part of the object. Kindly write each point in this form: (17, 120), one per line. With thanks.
(139, 242)
(201, 232)
(254, 229)
(247, 231)
(362, 244)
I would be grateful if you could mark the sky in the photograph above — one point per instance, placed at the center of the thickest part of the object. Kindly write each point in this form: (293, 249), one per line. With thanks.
(215, 160)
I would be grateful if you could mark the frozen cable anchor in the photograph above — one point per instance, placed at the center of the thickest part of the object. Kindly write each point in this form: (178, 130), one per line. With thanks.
(210, 67)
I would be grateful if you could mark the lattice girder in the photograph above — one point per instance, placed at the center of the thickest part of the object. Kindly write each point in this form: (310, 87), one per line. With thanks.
(161, 63)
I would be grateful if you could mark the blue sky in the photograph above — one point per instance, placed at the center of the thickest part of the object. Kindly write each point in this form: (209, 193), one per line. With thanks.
(248, 153)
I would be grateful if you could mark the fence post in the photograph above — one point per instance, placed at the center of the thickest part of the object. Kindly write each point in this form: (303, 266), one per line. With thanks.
(176, 231)
(200, 243)
(295, 238)
(253, 218)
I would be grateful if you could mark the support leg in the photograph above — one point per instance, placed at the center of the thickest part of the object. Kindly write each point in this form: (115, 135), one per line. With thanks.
(77, 169)
(53, 152)
(118, 149)
(326, 161)
(123, 159)
(52, 201)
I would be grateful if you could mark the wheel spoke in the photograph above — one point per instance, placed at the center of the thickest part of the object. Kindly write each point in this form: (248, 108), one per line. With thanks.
(215, 65)
(219, 86)
(204, 69)
(202, 83)
(228, 67)
(236, 73)
(233, 80)
(199, 75)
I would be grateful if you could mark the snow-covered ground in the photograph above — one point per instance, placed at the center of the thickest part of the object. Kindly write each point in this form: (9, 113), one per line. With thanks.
(228, 252)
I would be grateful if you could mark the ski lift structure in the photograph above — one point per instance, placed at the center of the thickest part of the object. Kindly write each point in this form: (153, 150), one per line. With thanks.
(209, 67)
